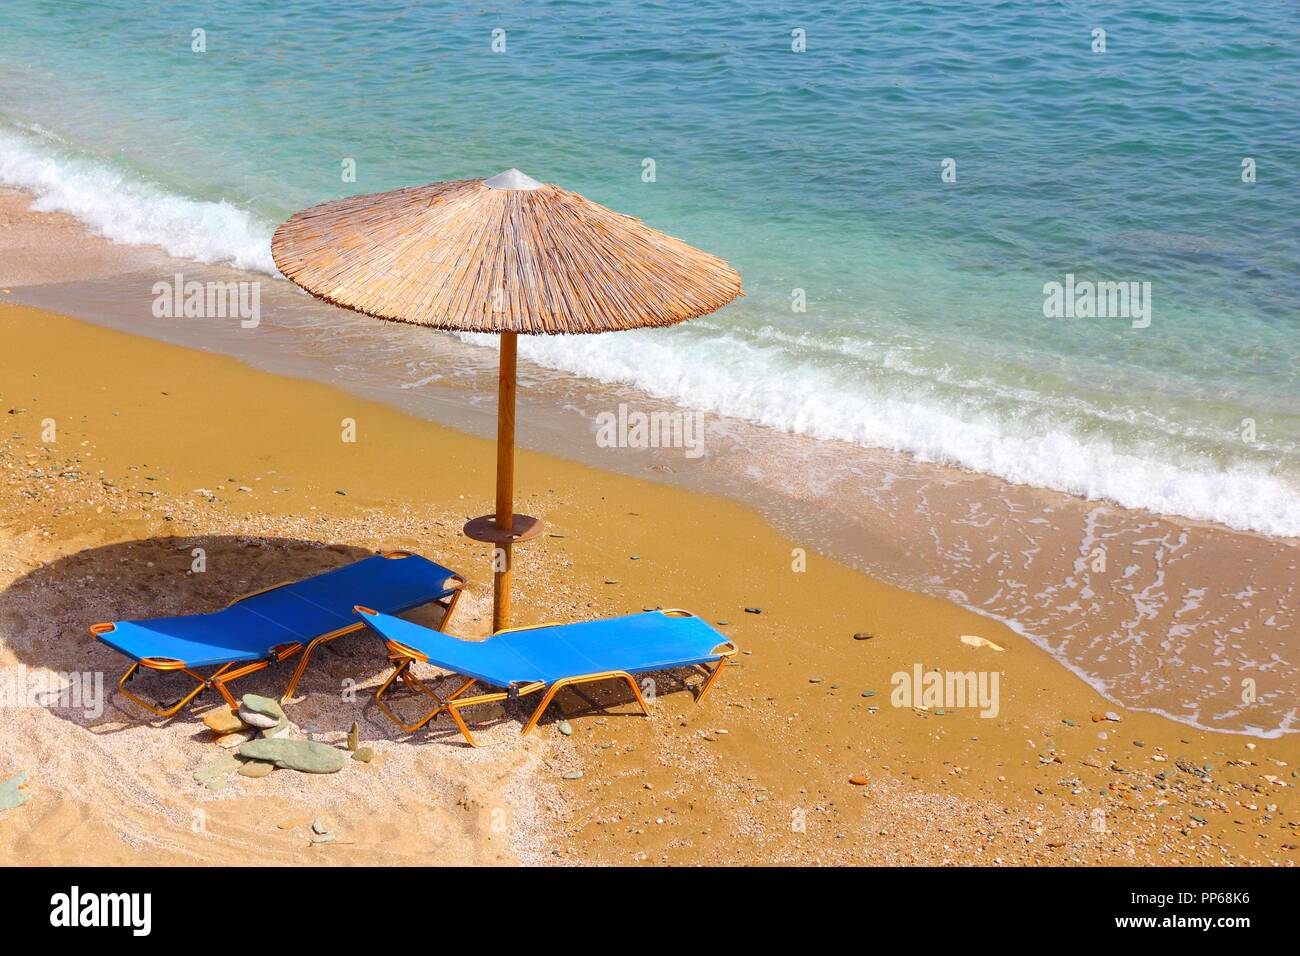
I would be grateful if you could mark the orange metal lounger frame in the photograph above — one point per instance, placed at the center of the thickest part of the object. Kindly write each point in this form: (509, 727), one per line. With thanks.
(224, 674)
(403, 657)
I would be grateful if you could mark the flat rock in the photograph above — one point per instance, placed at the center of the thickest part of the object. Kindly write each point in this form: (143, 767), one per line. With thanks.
(256, 768)
(260, 712)
(11, 791)
(223, 721)
(305, 756)
(279, 730)
(861, 780)
(231, 741)
(363, 754)
(218, 768)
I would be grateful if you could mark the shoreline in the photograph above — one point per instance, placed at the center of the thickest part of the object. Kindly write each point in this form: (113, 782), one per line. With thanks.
(1151, 630)
(99, 524)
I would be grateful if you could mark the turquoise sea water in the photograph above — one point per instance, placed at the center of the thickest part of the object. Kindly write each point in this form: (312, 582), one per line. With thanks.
(817, 170)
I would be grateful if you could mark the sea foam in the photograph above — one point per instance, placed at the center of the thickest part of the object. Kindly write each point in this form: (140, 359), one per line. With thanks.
(126, 209)
(762, 383)
(756, 378)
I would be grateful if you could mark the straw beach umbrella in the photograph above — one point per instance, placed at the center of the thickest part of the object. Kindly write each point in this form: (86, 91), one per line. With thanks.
(506, 255)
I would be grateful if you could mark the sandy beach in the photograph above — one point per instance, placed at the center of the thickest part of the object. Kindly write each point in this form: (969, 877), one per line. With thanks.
(159, 449)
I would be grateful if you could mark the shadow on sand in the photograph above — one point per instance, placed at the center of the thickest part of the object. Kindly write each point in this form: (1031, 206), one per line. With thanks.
(45, 617)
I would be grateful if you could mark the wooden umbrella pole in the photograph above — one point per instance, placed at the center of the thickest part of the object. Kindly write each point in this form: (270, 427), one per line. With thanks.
(505, 481)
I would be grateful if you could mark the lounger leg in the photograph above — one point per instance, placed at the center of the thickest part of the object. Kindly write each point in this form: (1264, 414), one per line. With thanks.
(637, 691)
(400, 671)
(221, 677)
(199, 685)
(453, 709)
(708, 684)
(450, 609)
(590, 678)
(546, 701)
(306, 656)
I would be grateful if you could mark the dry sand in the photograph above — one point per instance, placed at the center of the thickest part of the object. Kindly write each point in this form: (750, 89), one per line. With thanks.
(154, 447)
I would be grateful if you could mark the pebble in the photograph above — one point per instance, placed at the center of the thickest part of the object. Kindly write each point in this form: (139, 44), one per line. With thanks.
(256, 768)
(223, 721)
(317, 838)
(231, 741)
(354, 737)
(863, 636)
(814, 680)
(261, 712)
(753, 610)
(868, 693)
(11, 791)
(565, 728)
(573, 775)
(363, 754)
(218, 768)
(861, 780)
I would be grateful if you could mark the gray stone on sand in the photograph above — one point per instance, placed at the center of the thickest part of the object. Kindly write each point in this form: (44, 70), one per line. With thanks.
(305, 756)
(565, 728)
(11, 792)
(223, 765)
(260, 712)
(279, 730)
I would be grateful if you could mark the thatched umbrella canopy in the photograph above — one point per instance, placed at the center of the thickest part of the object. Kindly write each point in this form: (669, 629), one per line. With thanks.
(507, 255)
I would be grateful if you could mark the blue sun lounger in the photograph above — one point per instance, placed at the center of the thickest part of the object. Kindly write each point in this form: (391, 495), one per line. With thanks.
(548, 657)
(271, 625)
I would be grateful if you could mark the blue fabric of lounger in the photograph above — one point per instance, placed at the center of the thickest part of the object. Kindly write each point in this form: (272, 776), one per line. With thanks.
(252, 628)
(639, 642)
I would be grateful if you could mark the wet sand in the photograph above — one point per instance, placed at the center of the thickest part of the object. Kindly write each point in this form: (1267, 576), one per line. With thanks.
(153, 447)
